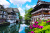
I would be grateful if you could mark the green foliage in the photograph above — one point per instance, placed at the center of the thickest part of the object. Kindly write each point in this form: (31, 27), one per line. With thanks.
(45, 29)
(43, 24)
(20, 17)
(28, 14)
(31, 30)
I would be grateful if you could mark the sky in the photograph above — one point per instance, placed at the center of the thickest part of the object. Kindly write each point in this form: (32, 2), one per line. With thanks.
(20, 4)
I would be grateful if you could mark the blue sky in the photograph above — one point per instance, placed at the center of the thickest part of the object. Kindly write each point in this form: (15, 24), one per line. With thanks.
(20, 4)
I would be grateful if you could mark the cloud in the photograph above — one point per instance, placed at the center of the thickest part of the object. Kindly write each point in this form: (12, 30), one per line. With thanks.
(5, 3)
(27, 6)
(20, 30)
(22, 27)
(34, 5)
(19, 2)
(30, 6)
(21, 11)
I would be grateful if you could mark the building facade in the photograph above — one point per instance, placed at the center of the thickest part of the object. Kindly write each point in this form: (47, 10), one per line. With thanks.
(13, 15)
(41, 11)
(3, 14)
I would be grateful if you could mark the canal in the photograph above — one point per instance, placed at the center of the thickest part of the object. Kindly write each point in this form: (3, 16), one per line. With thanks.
(14, 28)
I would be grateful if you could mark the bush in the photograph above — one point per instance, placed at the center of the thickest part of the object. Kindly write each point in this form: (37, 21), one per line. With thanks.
(40, 27)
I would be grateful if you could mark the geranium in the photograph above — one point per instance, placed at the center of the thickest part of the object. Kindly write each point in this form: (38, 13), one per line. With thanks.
(30, 27)
(40, 27)
(34, 25)
(32, 32)
(44, 21)
(37, 26)
(47, 21)
(36, 22)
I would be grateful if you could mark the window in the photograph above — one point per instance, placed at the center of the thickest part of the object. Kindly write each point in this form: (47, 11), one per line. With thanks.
(4, 16)
(49, 6)
(0, 12)
(17, 16)
(4, 12)
(0, 7)
(9, 16)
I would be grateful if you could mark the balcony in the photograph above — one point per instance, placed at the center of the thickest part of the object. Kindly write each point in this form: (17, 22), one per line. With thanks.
(40, 16)
(36, 14)
(40, 10)
(12, 17)
(46, 13)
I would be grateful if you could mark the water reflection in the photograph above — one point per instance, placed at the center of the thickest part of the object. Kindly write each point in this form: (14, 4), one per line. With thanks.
(13, 28)
(22, 28)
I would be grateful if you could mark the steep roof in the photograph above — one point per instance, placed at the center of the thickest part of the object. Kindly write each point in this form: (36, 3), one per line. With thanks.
(16, 10)
(12, 9)
(42, 2)
(39, 4)
(9, 9)
(2, 8)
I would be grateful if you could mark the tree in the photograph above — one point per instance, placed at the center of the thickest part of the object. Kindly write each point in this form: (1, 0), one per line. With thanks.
(25, 11)
(20, 17)
(28, 14)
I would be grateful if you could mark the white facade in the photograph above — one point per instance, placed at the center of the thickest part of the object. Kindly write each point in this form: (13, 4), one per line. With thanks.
(13, 15)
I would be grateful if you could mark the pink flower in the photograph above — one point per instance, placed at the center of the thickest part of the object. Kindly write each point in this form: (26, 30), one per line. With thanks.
(40, 27)
(36, 22)
(32, 32)
(34, 25)
(44, 21)
(37, 26)
(47, 21)
(28, 32)
(30, 27)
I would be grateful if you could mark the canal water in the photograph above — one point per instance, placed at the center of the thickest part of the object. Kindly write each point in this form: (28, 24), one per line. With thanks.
(14, 28)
